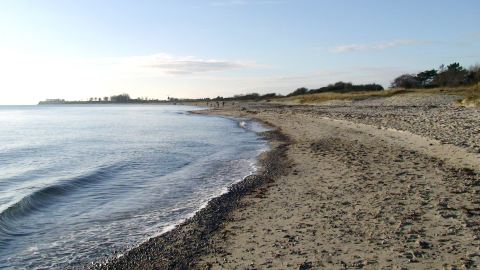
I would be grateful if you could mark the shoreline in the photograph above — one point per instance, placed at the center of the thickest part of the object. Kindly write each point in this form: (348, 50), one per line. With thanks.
(186, 242)
(346, 193)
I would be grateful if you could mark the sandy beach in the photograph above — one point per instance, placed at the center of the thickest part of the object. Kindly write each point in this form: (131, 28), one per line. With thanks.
(346, 186)
(239, 134)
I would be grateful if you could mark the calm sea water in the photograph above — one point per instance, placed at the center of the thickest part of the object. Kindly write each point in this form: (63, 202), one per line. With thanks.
(77, 182)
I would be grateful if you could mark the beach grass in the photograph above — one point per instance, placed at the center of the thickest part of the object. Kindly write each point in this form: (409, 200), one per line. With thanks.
(328, 96)
(470, 95)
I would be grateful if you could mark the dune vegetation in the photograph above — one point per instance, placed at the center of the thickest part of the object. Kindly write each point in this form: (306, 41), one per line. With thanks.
(469, 95)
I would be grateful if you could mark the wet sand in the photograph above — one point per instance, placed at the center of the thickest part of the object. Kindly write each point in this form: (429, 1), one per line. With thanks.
(334, 193)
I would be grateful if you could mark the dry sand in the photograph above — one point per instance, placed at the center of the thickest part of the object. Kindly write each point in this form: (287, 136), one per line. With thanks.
(356, 196)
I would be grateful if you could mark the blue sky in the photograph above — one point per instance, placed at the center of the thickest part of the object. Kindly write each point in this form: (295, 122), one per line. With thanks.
(78, 49)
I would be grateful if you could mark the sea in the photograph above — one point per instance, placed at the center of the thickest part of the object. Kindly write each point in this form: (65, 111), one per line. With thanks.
(80, 181)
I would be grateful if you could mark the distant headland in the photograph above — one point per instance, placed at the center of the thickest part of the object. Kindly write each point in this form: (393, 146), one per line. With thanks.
(116, 99)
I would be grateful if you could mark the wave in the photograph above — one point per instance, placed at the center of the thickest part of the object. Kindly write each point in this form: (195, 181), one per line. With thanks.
(45, 196)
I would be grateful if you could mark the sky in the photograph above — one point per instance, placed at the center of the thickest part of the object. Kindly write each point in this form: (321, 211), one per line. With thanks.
(189, 49)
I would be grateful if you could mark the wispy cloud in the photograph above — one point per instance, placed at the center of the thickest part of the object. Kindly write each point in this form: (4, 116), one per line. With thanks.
(374, 47)
(169, 64)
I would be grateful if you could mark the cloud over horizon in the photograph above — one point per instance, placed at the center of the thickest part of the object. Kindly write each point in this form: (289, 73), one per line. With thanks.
(172, 65)
(375, 47)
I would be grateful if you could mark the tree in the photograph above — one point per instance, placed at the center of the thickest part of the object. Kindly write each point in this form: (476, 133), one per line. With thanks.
(299, 91)
(473, 74)
(425, 78)
(340, 86)
(269, 95)
(453, 75)
(347, 87)
(251, 96)
(406, 81)
(123, 98)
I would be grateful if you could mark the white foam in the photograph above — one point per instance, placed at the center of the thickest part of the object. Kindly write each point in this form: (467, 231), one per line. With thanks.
(253, 168)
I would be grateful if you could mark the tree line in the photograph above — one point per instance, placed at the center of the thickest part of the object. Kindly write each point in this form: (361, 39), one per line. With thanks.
(452, 75)
(122, 98)
(338, 87)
